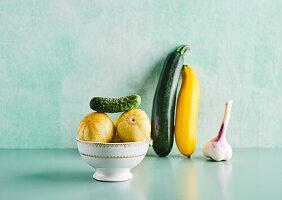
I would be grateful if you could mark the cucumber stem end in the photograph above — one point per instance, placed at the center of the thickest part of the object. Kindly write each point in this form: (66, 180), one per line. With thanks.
(182, 49)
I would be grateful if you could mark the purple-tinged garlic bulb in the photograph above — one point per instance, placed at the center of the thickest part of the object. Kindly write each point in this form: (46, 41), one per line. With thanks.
(218, 149)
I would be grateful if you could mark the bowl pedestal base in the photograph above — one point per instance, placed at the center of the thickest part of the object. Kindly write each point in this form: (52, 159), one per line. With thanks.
(112, 174)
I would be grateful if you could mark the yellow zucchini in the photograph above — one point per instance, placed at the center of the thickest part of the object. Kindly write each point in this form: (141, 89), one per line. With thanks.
(187, 112)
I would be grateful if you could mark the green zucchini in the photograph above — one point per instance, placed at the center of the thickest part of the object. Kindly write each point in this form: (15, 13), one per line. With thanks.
(164, 102)
(114, 105)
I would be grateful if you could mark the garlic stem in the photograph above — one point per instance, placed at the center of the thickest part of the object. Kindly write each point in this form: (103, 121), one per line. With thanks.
(225, 120)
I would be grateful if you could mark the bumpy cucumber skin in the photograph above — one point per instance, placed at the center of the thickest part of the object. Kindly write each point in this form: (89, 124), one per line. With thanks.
(115, 105)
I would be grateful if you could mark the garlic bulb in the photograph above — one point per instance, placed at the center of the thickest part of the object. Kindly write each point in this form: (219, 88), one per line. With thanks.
(218, 149)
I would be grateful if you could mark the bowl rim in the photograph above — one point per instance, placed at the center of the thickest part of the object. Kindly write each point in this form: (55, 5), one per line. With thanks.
(114, 143)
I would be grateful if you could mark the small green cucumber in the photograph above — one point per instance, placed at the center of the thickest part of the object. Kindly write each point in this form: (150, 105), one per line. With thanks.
(114, 105)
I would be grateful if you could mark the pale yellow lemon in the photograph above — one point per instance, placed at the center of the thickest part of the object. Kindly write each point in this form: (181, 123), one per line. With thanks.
(96, 127)
(133, 125)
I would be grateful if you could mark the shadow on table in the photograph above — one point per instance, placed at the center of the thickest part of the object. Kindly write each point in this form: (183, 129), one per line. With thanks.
(59, 176)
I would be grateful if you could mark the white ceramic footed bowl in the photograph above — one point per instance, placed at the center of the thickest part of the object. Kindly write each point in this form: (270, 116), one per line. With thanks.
(113, 161)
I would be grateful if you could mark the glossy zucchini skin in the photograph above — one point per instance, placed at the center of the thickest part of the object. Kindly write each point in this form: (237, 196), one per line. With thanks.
(164, 102)
(114, 105)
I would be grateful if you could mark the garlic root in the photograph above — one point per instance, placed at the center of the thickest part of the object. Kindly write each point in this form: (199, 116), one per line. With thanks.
(218, 148)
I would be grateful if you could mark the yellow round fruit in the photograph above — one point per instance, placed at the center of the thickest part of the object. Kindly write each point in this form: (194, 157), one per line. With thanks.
(133, 125)
(116, 138)
(116, 121)
(96, 127)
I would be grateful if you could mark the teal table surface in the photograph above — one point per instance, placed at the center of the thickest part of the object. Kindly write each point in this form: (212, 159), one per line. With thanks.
(62, 174)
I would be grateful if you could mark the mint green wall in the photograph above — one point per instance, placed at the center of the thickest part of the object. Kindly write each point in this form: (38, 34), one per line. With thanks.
(56, 55)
